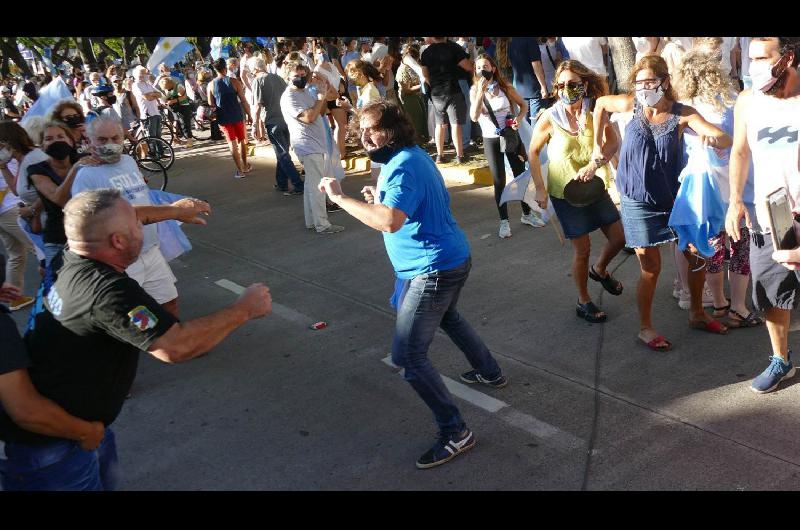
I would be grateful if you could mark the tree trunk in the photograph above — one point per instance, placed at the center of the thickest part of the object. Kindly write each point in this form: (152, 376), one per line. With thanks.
(129, 45)
(86, 52)
(9, 49)
(150, 43)
(204, 45)
(623, 55)
(4, 65)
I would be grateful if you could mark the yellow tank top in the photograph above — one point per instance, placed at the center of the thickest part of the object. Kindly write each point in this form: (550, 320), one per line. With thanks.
(566, 154)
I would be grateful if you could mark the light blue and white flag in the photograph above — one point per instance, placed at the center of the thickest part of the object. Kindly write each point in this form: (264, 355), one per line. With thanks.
(52, 93)
(169, 50)
(216, 47)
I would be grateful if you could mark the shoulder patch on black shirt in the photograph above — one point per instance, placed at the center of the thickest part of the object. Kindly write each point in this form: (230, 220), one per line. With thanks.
(142, 318)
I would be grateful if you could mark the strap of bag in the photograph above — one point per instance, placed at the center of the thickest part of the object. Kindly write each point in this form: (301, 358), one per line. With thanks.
(491, 112)
(547, 49)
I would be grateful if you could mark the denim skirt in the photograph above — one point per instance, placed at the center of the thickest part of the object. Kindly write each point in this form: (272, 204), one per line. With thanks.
(578, 221)
(645, 225)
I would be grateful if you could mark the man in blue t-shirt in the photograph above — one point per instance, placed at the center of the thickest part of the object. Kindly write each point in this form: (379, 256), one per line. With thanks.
(529, 79)
(431, 259)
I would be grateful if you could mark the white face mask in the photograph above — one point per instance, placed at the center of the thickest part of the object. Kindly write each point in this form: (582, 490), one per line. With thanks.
(761, 75)
(109, 153)
(649, 97)
(5, 154)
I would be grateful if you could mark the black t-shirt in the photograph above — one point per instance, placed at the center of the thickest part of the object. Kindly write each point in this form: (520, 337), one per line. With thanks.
(53, 231)
(7, 104)
(441, 59)
(85, 344)
(30, 90)
(12, 355)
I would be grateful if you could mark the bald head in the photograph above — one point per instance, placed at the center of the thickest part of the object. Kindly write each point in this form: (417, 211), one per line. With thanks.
(101, 225)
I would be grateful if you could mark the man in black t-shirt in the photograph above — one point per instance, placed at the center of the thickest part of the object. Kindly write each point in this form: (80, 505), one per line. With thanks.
(8, 111)
(20, 403)
(443, 64)
(85, 344)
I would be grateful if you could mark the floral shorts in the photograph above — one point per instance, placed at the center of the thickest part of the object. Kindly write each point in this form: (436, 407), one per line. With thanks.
(740, 253)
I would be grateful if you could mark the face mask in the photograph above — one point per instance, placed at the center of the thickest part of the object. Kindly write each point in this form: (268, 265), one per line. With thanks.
(382, 154)
(58, 150)
(300, 82)
(571, 95)
(321, 58)
(5, 154)
(649, 97)
(487, 74)
(111, 99)
(109, 153)
(762, 75)
(234, 71)
(75, 121)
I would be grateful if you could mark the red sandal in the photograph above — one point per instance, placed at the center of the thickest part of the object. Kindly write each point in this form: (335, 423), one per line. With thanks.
(711, 326)
(657, 344)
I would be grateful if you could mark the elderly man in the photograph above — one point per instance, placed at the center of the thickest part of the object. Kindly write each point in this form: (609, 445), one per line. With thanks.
(147, 99)
(94, 79)
(431, 258)
(85, 344)
(303, 113)
(120, 171)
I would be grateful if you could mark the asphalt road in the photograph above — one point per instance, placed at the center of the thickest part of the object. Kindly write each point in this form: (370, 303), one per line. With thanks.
(278, 406)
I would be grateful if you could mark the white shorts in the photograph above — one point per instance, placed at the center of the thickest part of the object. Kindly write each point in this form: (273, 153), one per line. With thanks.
(153, 273)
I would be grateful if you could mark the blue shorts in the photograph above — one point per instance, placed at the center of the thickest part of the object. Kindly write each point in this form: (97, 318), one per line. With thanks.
(645, 225)
(578, 221)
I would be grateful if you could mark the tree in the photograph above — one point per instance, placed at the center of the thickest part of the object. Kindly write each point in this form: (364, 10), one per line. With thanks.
(10, 50)
(86, 52)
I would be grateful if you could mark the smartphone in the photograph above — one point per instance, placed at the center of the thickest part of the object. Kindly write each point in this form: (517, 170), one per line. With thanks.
(781, 220)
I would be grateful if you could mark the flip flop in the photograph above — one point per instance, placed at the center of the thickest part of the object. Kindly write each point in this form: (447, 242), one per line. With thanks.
(711, 326)
(751, 320)
(589, 311)
(659, 343)
(609, 283)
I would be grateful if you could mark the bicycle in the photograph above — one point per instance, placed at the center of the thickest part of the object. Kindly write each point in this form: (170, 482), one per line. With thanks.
(147, 146)
(154, 174)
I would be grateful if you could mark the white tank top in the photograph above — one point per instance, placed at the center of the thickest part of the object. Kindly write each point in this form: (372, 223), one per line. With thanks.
(773, 131)
(501, 107)
(333, 76)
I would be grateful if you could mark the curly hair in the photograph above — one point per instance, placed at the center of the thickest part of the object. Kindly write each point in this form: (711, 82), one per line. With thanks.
(658, 65)
(55, 112)
(700, 76)
(393, 120)
(501, 52)
(597, 86)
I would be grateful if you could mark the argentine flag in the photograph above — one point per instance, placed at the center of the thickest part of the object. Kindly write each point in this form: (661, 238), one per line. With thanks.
(216, 47)
(169, 50)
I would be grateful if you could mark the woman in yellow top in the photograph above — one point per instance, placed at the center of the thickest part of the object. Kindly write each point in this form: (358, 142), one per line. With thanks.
(567, 129)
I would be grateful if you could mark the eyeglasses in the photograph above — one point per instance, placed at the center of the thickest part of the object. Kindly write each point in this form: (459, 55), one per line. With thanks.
(568, 84)
(648, 83)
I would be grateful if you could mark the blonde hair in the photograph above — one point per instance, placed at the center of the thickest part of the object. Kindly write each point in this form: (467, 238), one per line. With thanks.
(597, 86)
(53, 124)
(701, 76)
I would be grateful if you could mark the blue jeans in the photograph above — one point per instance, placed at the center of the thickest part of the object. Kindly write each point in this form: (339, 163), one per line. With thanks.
(285, 170)
(51, 250)
(429, 303)
(466, 129)
(153, 124)
(61, 466)
(534, 104)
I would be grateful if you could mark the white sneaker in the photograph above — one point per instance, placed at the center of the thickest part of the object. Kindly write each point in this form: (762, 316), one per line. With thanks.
(532, 219)
(684, 300)
(505, 229)
(238, 175)
(332, 229)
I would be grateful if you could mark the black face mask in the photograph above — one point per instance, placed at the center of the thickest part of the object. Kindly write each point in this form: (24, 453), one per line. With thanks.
(382, 154)
(75, 121)
(111, 99)
(300, 82)
(487, 74)
(59, 150)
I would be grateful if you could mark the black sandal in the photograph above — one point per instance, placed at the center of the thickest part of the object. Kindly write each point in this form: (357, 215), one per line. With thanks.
(751, 320)
(724, 309)
(589, 312)
(609, 283)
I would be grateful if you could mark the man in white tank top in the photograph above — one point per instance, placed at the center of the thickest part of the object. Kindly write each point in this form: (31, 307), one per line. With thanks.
(767, 126)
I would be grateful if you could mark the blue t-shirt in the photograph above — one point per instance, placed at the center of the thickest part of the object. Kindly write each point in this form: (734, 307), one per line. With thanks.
(522, 51)
(430, 239)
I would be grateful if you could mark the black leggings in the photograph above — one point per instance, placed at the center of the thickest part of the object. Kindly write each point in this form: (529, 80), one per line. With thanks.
(491, 148)
(183, 117)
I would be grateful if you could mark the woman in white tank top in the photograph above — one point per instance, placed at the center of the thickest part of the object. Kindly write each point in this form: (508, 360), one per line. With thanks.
(338, 114)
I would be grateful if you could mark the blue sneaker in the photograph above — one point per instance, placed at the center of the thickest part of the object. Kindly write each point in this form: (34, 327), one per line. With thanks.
(446, 448)
(770, 378)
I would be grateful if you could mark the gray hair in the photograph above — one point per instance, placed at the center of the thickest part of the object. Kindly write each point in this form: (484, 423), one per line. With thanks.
(85, 212)
(257, 64)
(98, 122)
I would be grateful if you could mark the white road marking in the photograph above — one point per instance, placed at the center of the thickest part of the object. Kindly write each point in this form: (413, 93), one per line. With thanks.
(549, 434)
(280, 310)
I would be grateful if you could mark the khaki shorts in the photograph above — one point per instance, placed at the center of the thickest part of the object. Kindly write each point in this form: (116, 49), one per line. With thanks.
(153, 273)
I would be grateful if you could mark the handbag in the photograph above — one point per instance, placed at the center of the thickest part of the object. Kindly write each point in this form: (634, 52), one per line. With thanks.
(510, 141)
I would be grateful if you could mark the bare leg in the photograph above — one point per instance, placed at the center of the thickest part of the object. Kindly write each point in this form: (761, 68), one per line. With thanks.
(615, 241)
(457, 140)
(243, 148)
(697, 277)
(716, 282)
(738, 283)
(580, 266)
(340, 117)
(778, 327)
(682, 266)
(440, 132)
(650, 264)
(237, 160)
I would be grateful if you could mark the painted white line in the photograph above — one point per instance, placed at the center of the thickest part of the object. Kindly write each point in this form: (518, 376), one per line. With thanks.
(479, 399)
(280, 310)
(551, 435)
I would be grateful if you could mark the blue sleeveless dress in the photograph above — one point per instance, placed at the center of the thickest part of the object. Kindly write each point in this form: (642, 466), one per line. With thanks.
(650, 160)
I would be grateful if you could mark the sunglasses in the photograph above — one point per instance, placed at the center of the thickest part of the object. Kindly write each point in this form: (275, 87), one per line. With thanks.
(568, 84)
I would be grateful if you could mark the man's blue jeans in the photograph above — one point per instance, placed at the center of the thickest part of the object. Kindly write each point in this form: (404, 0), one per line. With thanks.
(466, 129)
(429, 303)
(534, 104)
(285, 170)
(61, 466)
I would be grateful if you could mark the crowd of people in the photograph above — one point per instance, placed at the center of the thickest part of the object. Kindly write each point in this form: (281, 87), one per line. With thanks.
(617, 126)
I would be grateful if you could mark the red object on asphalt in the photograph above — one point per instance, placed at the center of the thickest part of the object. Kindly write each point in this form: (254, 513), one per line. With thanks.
(319, 325)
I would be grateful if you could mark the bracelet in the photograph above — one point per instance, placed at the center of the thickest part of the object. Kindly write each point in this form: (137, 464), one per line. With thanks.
(600, 162)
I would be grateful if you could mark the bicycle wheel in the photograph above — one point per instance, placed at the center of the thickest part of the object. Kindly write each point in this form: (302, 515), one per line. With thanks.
(155, 149)
(154, 174)
(167, 131)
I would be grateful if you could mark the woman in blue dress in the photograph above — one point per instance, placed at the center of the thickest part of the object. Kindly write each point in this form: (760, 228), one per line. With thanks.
(650, 161)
